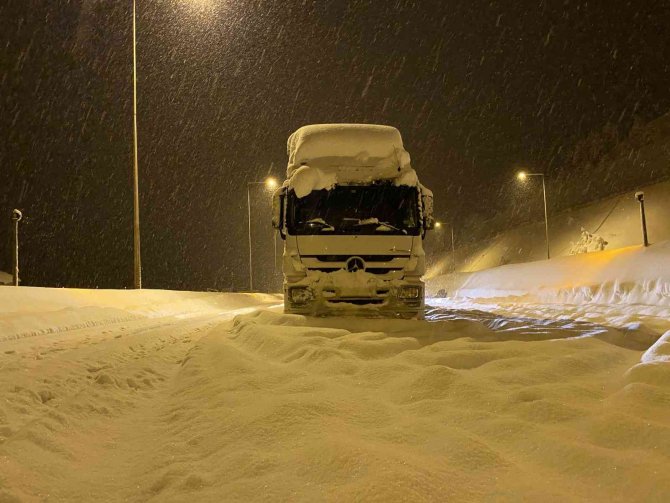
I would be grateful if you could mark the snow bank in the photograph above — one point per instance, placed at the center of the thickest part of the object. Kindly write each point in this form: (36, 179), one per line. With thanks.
(633, 275)
(628, 288)
(27, 311)
(659, 351)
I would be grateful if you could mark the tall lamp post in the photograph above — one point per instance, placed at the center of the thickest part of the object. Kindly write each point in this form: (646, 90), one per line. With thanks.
(522, 175)
(136, 191)
(16, 218)
(643, 217)
(270, 183)
(453, 247)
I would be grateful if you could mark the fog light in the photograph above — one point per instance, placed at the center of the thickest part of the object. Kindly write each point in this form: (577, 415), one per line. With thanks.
(409, 292)
(300, 295)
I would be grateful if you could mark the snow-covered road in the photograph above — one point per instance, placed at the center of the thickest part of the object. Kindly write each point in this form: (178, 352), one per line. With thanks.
(222, 397)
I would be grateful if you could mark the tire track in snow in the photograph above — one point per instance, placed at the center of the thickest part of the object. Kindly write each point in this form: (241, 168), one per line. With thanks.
(73, 401)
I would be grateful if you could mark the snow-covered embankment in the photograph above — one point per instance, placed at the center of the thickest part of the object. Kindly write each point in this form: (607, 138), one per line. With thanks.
(26, 311)
(627, 288)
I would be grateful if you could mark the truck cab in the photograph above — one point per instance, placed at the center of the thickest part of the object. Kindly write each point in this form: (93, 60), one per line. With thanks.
(353, 216)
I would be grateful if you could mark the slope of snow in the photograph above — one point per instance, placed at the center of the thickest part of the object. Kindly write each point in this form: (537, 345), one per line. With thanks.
(26, 311)
(179, 402)
(626, 275)
(616, 219)
(5, 278)
(628, 288)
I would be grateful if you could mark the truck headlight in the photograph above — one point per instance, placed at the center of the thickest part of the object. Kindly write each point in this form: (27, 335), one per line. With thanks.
(409, 292)
(300, 295)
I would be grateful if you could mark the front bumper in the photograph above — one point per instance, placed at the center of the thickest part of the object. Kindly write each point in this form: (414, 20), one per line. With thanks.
(387, 300)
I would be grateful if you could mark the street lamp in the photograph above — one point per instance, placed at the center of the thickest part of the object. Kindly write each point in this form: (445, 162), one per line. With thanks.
(16, 218)
(270, 183)
(522, 176)
(136, 191)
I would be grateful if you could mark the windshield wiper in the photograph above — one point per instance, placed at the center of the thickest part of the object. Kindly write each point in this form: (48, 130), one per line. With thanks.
(320, 223)
(378, 223)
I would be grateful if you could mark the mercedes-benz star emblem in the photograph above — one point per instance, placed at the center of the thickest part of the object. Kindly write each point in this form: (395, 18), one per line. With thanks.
(355, 264)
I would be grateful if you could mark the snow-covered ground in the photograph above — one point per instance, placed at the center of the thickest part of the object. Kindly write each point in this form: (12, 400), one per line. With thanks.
(5, 278)
(627, 288)
(119, 396)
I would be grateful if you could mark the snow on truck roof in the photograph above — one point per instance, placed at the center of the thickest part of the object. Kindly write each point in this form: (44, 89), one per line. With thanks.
(330, 145)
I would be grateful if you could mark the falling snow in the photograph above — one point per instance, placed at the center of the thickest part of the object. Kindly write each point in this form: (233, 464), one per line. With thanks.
(477, 88)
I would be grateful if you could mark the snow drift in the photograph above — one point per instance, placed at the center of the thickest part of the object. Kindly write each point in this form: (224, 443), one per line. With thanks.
(633, 275)
(27, 311)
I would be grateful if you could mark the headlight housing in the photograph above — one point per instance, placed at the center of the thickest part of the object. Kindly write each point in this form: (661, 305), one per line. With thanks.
(300, 295)
(409, 292)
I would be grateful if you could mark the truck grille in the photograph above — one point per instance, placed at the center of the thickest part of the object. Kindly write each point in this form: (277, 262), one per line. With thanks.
(371, 270)
(344, 258)
(358, 302)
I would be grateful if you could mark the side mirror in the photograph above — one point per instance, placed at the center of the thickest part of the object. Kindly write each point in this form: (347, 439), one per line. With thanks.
(427, 204)
(278, 210)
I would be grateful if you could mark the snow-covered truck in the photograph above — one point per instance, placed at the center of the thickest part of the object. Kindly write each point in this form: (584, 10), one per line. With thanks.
(353, 216)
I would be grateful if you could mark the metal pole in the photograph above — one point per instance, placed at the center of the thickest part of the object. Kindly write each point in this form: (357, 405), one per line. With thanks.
(645, 237)
(546, 218)
(453, 247)
(16, 253)
(640, 198)
(251, 271)
(16, 216)
(136, 191)
(275, 242)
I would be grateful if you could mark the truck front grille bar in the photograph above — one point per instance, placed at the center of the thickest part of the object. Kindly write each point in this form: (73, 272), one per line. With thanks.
(344, 258)
(371, 270)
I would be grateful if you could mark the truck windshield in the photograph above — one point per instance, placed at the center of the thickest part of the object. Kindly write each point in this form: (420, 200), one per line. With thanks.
(371, 209)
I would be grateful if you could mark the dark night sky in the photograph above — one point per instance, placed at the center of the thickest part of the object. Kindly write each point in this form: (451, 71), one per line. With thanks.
(477, 88)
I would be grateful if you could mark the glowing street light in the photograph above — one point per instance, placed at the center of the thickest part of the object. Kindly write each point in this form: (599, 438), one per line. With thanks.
(522, 176)
(438, 225)
(270, 184)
